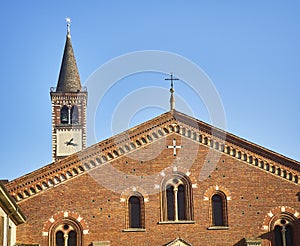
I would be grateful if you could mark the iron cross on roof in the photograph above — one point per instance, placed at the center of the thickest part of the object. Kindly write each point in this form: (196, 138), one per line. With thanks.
(172, 98)
(172, 79)
(174, 147)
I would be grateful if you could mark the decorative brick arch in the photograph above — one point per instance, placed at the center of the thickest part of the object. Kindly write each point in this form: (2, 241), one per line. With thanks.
(277, 211)
(132, 191)
(172, 170)
(225, 195)
(139, 193)
(65, 215)
(210, 191)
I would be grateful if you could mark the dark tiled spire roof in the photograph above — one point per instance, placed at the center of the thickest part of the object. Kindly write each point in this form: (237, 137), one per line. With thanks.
(69, 80)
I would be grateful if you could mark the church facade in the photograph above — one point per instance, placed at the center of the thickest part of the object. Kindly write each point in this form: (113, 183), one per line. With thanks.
(173, 180)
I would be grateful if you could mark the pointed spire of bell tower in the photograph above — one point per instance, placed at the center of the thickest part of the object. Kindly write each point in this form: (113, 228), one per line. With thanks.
(68, 80)
(172, 98)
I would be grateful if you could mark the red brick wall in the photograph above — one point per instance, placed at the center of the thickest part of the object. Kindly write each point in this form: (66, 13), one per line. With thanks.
(253, 194)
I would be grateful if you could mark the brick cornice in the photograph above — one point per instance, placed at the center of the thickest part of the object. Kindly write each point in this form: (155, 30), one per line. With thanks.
(230, 138)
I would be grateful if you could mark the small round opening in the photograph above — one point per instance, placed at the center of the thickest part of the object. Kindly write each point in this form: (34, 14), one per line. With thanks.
(283, 222)
(66, 227)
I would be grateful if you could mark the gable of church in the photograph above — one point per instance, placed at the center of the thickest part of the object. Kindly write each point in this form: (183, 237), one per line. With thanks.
(126, 186)
(148, 135)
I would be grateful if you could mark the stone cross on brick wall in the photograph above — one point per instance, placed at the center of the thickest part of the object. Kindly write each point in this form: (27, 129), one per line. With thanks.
(174, 147)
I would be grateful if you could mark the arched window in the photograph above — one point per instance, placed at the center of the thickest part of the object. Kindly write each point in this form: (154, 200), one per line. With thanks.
(283, 235)
(66, 233)
(282, 225)
(64, 115)
(135, 212)
(289, 235)
(278, 235)
(72, 238)
(74, 115)
(181, 202)
(219, 209)
(170, 202)
(59, 238)
(176, 198)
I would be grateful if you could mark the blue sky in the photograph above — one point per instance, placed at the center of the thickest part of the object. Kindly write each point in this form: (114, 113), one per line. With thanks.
(249, 49)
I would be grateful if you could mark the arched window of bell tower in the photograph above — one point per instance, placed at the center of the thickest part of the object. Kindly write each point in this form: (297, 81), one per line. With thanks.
(64, 115)
(74, 115)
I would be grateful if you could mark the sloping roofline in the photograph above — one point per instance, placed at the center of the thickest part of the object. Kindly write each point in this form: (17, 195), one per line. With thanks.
(231, 138)
(10, 207)
(138, 136)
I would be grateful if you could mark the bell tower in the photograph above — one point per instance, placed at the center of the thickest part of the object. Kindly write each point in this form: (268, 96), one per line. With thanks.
(69, 101)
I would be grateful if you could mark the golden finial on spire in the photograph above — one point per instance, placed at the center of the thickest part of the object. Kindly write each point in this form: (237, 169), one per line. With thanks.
(68, 20)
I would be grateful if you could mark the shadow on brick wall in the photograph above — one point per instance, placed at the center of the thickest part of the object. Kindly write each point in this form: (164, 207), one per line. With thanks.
(242, 242)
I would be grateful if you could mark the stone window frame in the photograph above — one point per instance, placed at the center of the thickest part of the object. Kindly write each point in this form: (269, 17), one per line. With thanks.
(58, 226)
(128, 228)
(282, 219)
(182, 179)
(225, 225)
